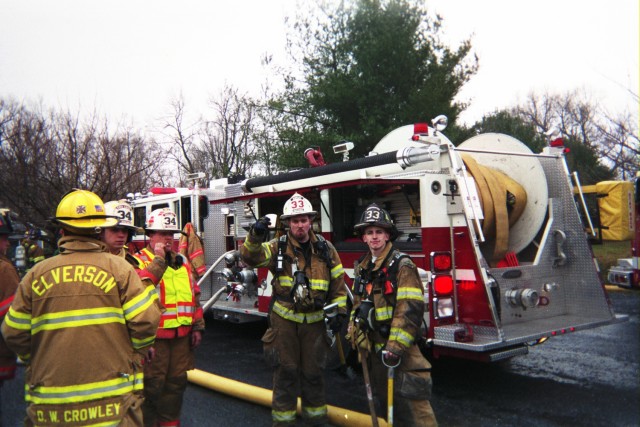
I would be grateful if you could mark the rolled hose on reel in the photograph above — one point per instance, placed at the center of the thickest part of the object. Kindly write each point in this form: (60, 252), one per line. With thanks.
(512, 190)
(502, 199)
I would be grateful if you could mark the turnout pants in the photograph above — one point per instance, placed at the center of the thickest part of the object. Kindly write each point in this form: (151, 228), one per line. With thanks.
(165, 380)
(411, 389)
(297, 352)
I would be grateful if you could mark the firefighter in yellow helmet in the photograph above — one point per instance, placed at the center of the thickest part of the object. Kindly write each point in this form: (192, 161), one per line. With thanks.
(182, 324)
(386, 320)
(9, 280)
(82, 321)
(308, 275)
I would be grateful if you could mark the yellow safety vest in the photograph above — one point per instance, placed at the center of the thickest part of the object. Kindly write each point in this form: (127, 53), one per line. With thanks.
(176, 294)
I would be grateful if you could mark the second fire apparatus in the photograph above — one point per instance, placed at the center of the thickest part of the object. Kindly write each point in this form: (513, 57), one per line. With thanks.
(626, 273)
(493, 228)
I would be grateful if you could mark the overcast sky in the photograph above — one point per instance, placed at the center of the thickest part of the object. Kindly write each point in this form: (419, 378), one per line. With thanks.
(129, 58)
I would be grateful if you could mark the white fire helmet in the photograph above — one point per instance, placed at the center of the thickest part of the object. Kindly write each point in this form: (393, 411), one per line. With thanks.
(162, 220)
(122, 210)
(297, 205)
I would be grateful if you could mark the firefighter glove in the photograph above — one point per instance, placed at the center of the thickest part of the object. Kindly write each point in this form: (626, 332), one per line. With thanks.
(261, 226)
(336, 322)
(365, 315)
(390, 359)
(359, 339)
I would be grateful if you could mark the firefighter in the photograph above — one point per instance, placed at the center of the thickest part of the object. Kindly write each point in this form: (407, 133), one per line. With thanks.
(82, 322)
(386, 320)
(181, 326)
(308, 275)
(9, 280)
(117, 237)
(33, 251)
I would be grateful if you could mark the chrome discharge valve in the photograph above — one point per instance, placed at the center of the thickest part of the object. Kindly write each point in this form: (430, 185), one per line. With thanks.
(527, 298)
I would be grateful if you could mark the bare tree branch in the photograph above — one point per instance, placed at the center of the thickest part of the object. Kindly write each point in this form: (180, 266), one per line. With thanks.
(46, 154)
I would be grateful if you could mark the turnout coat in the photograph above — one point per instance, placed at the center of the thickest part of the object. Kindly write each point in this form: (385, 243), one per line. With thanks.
(82, 321)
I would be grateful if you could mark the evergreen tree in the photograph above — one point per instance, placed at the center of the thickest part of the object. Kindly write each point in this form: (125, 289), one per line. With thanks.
(367, 68)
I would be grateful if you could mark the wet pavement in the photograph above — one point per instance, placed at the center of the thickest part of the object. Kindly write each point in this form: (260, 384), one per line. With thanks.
(587, 378)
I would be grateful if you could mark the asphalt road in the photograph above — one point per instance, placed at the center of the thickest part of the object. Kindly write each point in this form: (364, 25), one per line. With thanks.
(588, 378)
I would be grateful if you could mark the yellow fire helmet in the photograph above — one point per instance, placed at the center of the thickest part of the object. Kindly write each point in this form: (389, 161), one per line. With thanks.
(121, 209)
(297, 205)
(83, 210)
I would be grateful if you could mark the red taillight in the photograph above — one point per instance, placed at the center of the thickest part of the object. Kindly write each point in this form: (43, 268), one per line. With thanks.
(441, 262)
(443, 285)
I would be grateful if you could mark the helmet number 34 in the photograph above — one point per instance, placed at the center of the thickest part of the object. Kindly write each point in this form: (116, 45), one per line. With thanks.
(123, 214)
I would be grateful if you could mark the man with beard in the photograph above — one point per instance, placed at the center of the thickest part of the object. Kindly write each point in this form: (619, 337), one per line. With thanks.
(308, 275)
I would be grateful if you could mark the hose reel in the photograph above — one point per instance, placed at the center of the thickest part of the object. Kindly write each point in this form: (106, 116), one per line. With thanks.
(512, 189)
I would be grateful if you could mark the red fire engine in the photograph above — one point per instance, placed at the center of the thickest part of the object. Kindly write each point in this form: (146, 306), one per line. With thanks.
(493, 228)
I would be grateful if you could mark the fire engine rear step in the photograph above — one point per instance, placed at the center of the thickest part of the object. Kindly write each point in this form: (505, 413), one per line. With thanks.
(486, 339)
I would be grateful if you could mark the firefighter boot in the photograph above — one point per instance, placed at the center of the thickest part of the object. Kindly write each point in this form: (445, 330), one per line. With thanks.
(152, 390)
(170, 403)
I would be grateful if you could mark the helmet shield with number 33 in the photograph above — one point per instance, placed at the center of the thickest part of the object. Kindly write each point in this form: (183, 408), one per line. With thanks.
(297, 205)
(378, 217)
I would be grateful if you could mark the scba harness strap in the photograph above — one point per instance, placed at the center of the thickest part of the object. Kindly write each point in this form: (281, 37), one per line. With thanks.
(388, 274)
(300, 293)
(321, 247)
(365, 286)
(392, 269)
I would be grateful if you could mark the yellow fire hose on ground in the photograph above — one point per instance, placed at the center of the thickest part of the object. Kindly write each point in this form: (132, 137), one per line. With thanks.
(262, 396)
